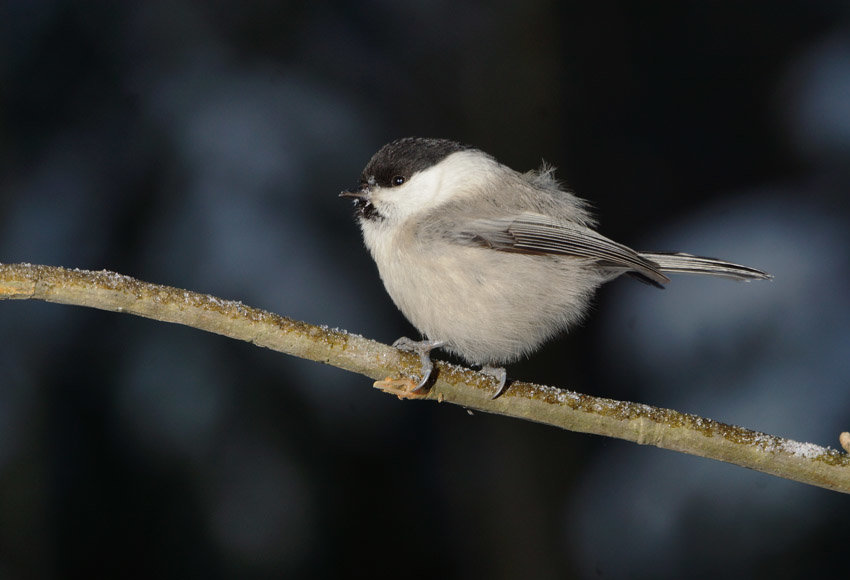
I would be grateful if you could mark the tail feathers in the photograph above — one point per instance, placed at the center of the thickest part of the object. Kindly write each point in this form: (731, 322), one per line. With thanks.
(679, 263)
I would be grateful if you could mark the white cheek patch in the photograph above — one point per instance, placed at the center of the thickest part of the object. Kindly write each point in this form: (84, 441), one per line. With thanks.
(448, 180)
(421, 193)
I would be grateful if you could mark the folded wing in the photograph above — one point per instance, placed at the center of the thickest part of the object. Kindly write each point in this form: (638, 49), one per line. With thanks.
(530, 233)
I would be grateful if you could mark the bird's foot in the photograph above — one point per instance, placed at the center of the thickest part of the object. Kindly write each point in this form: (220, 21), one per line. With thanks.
(423, 348)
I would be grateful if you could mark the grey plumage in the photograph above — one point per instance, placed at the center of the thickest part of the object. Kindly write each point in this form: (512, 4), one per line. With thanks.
(490, 261)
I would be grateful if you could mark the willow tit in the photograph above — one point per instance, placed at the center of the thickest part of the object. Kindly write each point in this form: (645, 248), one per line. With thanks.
(489, 263)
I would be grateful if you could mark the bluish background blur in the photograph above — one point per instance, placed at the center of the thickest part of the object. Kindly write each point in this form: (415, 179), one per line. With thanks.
(202, 145)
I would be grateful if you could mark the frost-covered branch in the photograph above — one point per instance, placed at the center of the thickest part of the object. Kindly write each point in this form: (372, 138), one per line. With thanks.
(665, 428)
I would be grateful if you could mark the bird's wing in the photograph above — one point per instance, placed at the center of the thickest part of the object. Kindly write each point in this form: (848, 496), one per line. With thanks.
(531, 233)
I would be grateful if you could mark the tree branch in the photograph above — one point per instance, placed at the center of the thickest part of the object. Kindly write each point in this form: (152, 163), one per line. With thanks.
(665, 428)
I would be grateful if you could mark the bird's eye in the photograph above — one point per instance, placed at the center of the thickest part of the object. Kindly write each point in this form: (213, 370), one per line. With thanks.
(397, 180)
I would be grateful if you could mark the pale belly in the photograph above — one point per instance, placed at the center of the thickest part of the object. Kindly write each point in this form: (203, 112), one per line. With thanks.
(489, 307)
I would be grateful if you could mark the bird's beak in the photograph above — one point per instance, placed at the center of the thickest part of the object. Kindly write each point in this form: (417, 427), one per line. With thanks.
(358, 193)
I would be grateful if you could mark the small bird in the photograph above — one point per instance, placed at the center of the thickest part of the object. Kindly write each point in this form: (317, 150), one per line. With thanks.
(489, 263)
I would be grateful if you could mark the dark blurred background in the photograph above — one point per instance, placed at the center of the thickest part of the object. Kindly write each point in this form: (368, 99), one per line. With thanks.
(203, 144)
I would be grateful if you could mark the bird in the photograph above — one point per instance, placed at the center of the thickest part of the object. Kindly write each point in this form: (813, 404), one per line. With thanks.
(489, 263)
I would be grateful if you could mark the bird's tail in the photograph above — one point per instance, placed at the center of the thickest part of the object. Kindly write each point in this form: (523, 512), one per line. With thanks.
(679, 263)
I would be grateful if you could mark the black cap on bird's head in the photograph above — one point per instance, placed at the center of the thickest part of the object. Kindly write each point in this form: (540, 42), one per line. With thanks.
(405, 157)
(395, 163)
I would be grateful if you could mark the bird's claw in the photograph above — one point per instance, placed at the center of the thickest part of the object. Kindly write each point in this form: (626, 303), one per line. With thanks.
(403, 388)
(423, 348)
(406, 389)
(501, 375)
